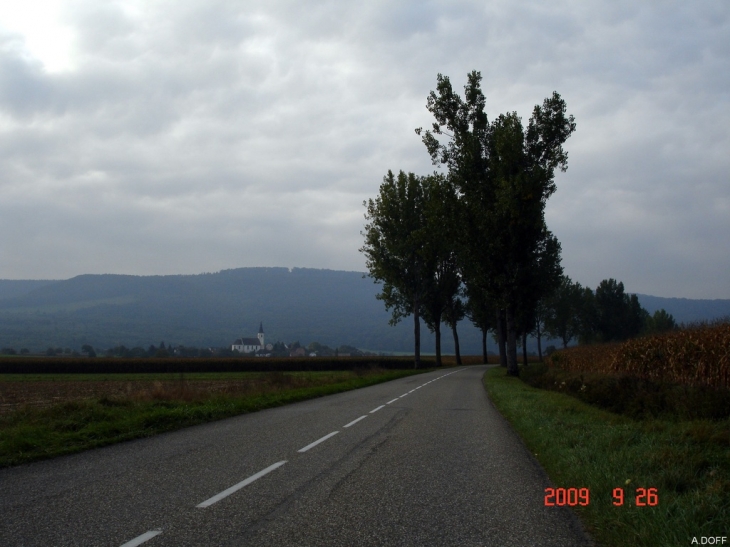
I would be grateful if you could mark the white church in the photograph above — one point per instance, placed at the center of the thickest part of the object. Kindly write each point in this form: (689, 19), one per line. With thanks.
(250, 345)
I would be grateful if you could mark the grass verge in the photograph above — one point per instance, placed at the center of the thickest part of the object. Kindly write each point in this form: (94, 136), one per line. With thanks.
(581, 446)
(33, 434)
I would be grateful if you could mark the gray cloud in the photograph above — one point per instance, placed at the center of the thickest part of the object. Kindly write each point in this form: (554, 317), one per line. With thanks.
(194, 136)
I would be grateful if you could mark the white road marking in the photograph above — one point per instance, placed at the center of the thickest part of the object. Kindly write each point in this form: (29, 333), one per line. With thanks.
(139, 540)
(376, 409)
(353, 422)
(402, 395)
(393, 401)
(315, 443)
(236, 487)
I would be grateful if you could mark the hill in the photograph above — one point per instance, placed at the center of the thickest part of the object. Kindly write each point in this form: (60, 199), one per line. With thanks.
(330, 307)
(212, 309)
(685, 310)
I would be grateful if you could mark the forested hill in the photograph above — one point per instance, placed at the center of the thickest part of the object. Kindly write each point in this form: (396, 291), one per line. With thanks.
(330, 307)
(326, 306)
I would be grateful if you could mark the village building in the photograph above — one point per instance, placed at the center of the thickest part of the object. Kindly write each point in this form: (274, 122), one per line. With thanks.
(250, 345)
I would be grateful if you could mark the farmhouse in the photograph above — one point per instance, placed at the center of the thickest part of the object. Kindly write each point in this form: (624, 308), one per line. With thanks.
(250, 345)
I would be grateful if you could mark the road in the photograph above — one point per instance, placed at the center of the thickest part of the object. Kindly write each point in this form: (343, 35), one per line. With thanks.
(421, 461)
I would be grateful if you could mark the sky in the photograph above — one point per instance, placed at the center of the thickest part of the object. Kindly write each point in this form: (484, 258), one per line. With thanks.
(188, 136)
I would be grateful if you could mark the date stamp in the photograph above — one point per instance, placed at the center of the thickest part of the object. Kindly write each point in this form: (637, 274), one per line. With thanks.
(558, 497)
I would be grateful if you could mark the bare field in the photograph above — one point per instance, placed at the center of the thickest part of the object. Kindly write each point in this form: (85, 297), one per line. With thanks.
(45, 393)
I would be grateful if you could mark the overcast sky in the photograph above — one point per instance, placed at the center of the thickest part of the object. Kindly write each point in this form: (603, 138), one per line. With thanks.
(185, 136)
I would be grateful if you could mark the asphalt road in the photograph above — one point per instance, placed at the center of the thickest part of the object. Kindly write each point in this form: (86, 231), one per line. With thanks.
(420, 461)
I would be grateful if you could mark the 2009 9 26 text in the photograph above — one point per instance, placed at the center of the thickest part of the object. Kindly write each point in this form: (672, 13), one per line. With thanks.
(644, 497)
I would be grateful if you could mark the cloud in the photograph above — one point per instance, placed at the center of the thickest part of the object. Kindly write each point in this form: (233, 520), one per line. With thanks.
(193, 136)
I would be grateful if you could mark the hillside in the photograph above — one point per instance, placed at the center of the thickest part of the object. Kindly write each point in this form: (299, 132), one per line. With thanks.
(330, 307)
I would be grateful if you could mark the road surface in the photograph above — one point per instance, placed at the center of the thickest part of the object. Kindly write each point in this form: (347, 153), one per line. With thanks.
(421, 461)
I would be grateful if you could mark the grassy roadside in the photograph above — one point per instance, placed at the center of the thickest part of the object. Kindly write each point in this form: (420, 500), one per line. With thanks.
(33, 434)
(580, 446)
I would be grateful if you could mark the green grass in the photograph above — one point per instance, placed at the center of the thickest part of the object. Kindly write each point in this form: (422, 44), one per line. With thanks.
(581, 446)
(33, 434)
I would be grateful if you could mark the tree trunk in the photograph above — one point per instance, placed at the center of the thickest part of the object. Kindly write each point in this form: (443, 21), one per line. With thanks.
(437, 332)
(524, 348)
(484, 346)
(539, 345)
(501, 337)
(456, 345)
(416, 332)
(512, 368)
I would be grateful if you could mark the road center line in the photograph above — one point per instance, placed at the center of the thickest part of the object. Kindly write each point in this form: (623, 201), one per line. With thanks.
(376, 409)
(139, 540)
(393, 401)
(315, 443)
(353, 422)
(236, 487)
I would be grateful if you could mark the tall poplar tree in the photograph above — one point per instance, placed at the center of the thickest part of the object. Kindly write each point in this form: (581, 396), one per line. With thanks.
(441, 234)
(504, 175)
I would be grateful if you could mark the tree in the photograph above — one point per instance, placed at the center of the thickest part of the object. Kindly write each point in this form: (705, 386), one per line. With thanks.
(563, 311)
(660, 322)
(541, 311)
(587, 317)
(504, 175)
(454, 313)
(440, 235)
(537, 283)
(394, 238)
(481, 314)
(619, 315)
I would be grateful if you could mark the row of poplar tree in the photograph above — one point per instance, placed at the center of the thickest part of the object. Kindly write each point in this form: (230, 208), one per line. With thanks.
(473, 242)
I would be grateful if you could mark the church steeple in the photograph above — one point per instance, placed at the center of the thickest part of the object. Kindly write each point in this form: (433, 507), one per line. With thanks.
(260, 335)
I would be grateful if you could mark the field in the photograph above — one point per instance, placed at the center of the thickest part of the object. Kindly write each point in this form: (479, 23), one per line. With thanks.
(20, 391)
(698, 356)
(47, 415)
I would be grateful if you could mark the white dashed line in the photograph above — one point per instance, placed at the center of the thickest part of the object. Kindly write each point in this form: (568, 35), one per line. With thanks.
(139, 540)
(315, 443)
(353, 422)
(393, 401)
(236, 487)
(376, 409)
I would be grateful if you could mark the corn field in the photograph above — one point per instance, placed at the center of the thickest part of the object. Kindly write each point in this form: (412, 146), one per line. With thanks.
(696, 357)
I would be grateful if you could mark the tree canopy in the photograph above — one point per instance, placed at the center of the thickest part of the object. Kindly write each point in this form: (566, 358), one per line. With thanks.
(503, 174)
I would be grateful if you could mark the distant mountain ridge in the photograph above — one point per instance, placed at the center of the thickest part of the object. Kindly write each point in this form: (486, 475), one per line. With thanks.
(212, 309)
(686, 310)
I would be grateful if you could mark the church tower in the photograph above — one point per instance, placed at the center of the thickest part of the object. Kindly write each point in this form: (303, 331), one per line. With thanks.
(261, 334)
